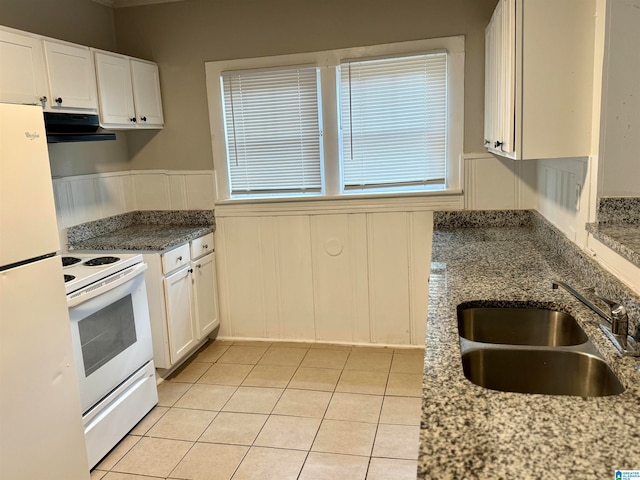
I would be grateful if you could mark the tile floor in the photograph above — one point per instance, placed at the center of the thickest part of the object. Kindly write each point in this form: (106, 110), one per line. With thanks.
(260, 411)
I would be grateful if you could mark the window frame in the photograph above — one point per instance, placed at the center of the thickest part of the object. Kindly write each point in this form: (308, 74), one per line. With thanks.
(328, 63)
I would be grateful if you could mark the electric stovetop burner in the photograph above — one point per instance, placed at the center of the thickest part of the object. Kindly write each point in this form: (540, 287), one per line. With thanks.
(96, 262)
(66, 261)
(68, 278)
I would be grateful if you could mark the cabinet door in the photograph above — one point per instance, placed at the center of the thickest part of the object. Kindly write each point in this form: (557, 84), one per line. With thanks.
(115, 90)
(72, 80)
(178, 298)
(507, 76)
(22, 71)
(146, 94)
(205, 295)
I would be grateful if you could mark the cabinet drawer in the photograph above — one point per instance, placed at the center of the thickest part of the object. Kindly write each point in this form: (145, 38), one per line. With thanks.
(202, 246)
(175, 258)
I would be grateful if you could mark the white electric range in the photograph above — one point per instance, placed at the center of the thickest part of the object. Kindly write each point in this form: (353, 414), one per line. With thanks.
(112, 347)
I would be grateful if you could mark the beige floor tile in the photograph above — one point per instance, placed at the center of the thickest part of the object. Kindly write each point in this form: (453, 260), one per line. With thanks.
(118, 452)
(355, 381)
(294, 433)
(97, 474)
(318, 358)
(210, 353)
(149, 420)
(270, 464)
(413, 350)
(371, 349)
(401, 410)
(407, 364)
(226, 374)
(243, 354)
(252, 343)
(234, 428)
(332, 346)
(206, 397)
(354, 407)
(169, 392)
(182, 424)
(253, 400)
(153, 456)
(269, 376)
(376, 362)
(124, 476)
(397, 441)
(392, 469)
(349, 438)
(315, 379)
(404, 384)
(208, 461)
(191, 373)
(330, 466)
(303, 403)
(286, 356)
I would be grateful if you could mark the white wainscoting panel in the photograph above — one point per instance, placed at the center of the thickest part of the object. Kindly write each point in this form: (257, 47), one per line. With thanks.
(84, 198)
(496, 183)
(343, 277)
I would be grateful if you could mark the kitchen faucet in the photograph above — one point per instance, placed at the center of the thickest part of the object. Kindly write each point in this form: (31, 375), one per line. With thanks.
(617, 329)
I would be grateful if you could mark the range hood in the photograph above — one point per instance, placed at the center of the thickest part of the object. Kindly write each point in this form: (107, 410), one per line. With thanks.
(74, 127)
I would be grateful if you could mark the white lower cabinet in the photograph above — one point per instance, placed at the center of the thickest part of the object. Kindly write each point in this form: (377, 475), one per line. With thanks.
(183, 303)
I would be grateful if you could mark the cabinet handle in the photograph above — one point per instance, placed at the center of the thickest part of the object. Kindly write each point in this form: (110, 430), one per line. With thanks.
(199, 265)
(133, 119)
(191, 270)
(59, 100)
(487, 142)
(179, 259)
(144, 119)
(497, 144)
(43, 99)
(205, 246)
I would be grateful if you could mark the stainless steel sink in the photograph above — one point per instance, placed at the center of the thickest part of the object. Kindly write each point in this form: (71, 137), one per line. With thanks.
(519, 326)
(546, 371)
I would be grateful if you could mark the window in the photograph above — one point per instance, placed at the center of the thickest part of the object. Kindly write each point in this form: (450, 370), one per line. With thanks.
(272, 130)
(393, 121)
(381, 119)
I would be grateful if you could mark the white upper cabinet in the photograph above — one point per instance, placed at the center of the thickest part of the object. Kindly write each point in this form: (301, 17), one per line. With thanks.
(146, 93)
(22, 77)
(114, 90)
(538, 79)
(72, 80)
(129, 92)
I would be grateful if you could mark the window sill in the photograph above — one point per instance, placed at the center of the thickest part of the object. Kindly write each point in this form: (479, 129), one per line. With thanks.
(351, 203)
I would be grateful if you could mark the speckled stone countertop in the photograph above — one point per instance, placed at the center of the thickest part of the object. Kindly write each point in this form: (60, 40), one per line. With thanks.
(618, 226)
(141, 231)
(469, 432)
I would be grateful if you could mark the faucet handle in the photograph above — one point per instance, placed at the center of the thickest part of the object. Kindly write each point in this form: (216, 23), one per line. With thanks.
(619, 317)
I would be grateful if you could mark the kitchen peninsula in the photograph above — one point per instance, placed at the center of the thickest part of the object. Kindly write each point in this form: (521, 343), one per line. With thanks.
(468, 431)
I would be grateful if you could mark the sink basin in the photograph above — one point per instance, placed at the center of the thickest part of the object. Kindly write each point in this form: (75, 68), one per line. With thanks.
(519, 326)
(551, 372)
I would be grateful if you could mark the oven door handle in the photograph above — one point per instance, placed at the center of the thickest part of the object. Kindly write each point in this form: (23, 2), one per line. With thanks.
(76, 298)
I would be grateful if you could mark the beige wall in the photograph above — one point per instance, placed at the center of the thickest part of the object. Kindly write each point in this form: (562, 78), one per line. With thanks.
(85, 23)
(181, 36)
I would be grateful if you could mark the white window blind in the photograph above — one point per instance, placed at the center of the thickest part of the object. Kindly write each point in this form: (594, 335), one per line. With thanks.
(393, 117)
(273, 130)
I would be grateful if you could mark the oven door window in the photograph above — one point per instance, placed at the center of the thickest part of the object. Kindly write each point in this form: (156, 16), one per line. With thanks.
(107, 333)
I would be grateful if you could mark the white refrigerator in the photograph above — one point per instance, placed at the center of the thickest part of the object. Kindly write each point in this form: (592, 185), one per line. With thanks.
(41, 434)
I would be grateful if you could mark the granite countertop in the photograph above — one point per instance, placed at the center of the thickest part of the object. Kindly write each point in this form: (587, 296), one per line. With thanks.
(618, 226)
(469, 432)
(623, 238)
(155, 231)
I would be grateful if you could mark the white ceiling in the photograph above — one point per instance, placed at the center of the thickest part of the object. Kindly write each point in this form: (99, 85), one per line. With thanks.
(130, 3)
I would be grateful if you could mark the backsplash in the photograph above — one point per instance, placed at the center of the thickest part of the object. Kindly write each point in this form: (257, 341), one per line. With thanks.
(85, 198)
(618, 210)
